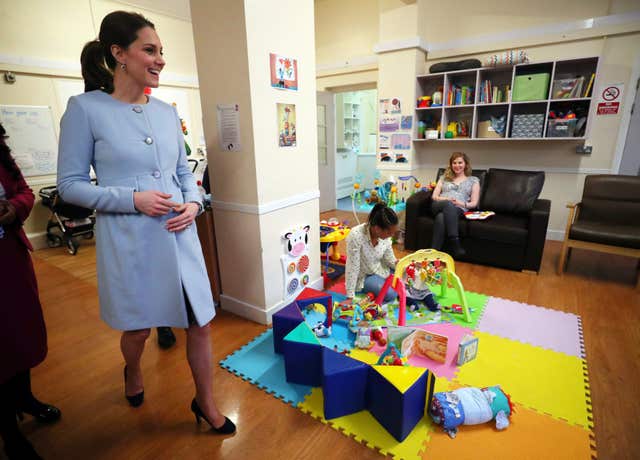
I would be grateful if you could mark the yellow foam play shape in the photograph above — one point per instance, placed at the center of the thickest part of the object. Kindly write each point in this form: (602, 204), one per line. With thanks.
(547, 381)
(365, 356)
(401, 377)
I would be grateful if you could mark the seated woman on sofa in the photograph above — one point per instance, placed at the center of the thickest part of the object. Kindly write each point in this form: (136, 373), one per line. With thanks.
(456, 192)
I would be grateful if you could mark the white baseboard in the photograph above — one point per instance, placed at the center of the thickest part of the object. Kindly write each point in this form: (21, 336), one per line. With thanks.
(255, 313)
(38, 240)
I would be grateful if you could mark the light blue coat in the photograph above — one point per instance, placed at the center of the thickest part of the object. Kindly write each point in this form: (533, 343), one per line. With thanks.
(142, 267)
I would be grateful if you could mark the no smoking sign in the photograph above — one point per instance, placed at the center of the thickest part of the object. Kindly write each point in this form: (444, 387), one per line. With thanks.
(609, 100)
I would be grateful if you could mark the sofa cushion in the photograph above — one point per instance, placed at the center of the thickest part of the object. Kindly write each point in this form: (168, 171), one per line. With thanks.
(615, 234)
(509, 228)
(509, 191)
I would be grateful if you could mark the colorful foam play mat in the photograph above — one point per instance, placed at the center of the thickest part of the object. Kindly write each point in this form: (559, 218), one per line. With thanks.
(521, 388)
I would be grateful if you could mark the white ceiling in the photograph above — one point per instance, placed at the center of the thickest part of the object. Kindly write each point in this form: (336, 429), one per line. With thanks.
(177, 8)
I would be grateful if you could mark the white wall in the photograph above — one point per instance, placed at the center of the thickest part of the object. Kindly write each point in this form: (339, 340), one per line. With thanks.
(41, 41)
(546, 30)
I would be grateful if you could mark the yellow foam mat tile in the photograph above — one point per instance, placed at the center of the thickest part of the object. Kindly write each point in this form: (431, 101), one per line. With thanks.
(366, 430)
(530, 436)
(546, 381)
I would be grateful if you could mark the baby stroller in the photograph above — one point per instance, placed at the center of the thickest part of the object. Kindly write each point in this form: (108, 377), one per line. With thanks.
(67, 221)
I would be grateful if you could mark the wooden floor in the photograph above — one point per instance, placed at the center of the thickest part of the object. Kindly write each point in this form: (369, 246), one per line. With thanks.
(83, 371)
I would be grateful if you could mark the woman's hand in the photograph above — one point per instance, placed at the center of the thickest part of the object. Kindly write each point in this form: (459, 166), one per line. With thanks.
(458, 203)
(153, 203)
(7, 212)
(187, 213)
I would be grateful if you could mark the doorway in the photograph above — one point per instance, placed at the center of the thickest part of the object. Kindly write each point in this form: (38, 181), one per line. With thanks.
(356, 135)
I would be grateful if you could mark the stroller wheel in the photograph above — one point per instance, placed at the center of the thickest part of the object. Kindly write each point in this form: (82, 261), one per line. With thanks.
(54, 241)
(72, 247)
(88, 236)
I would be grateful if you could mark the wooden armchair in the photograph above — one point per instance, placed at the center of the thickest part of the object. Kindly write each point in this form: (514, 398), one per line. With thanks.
(606, 220)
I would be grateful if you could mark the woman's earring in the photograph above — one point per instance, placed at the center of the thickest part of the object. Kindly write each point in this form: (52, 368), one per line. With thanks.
(123, 67)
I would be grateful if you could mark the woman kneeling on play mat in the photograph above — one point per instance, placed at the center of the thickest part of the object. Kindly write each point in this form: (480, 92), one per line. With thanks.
(370, 256)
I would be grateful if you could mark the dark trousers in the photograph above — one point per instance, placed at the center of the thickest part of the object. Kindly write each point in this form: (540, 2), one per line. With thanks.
(14, 394)
(445, 223)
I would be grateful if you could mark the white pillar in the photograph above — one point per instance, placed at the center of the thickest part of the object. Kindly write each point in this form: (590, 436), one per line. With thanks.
(263, 190)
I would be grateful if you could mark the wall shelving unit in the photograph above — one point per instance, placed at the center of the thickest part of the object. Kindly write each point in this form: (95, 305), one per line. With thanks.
(477, 110)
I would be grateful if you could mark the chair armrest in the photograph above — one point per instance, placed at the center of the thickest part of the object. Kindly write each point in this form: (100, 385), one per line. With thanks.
(418, 204)
(538, 223)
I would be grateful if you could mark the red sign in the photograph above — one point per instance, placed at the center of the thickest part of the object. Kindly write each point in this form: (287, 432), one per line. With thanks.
(608, 108)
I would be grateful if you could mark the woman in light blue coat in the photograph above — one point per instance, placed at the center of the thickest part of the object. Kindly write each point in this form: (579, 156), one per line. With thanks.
(150, 266)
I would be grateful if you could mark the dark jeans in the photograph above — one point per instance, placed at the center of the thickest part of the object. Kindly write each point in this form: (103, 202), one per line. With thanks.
(446, 216)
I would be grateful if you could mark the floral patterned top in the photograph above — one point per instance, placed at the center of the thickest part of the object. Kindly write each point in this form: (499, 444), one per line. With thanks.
(363, 258)
(461, 191)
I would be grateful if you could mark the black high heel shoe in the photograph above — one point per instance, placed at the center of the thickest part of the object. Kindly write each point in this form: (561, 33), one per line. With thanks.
(135, 400)
(228, 426)
(44, 413)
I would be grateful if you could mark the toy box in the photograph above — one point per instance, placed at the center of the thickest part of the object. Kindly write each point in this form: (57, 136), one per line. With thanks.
(532, 87)
(527, 125)
(561, 127)
(485, 130)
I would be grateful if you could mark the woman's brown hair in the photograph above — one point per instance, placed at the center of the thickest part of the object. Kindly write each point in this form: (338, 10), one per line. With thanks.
(449, 175)
(98, 64)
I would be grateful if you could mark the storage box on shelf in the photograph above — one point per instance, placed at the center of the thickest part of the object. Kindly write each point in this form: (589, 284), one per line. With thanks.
(523, 99)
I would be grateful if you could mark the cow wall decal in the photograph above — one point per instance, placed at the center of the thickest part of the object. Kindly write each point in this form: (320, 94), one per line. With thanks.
(295, 261)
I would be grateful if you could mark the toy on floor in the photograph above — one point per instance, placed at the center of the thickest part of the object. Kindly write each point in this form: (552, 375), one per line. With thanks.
(331, 233)
(391, 356)
(320, 330)
(467, 349)
(425, 344)
(363, 336)
(470, 406)
(444, 275)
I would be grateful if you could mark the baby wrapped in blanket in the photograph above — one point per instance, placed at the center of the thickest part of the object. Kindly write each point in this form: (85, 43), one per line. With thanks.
(470, 406)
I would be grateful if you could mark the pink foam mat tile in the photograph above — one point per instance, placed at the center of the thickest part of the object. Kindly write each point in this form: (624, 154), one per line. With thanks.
(449, 368)
(538, 326)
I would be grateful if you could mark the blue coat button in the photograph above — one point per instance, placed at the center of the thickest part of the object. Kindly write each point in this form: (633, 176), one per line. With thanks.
(137, 109)
(148, 141)
(156, 174)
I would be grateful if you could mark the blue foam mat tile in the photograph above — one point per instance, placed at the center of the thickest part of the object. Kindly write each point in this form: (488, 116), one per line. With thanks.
(257, 363)
(336, 296)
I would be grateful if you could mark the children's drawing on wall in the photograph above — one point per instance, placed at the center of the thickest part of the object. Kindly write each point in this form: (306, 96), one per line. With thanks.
(286, 125)
(400, 158)
(406, 122)
(284, 72)
(389, 123)
(384, 156)
(390, 106)
(384, 141)
(400, 141)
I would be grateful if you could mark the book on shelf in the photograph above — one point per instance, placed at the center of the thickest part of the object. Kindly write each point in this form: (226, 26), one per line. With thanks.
(587, 91)
(490, 93)
(568, 88)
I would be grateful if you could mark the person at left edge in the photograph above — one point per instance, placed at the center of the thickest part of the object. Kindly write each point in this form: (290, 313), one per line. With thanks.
(23, 335)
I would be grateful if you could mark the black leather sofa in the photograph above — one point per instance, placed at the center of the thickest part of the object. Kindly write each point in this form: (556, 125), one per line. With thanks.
(513, 238)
